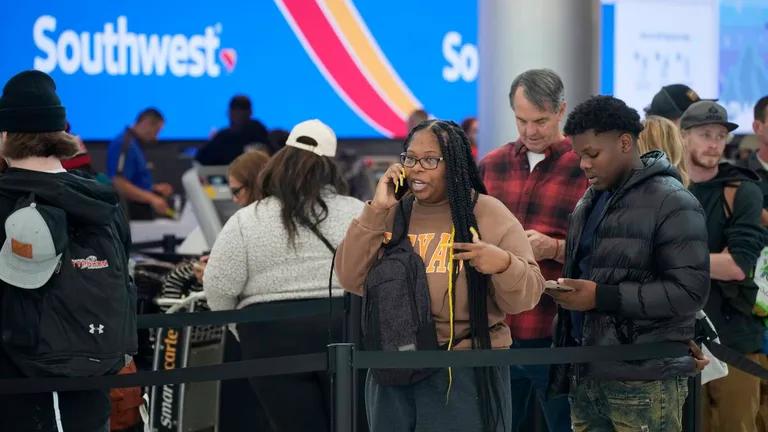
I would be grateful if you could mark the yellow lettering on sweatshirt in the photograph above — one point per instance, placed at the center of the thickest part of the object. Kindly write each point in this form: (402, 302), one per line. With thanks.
(439, 261)
(424, 241)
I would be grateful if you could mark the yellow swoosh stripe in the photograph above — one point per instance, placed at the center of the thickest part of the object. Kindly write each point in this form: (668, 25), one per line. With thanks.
(386, 80)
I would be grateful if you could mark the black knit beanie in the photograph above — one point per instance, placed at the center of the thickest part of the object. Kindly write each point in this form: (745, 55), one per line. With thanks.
(29, 104)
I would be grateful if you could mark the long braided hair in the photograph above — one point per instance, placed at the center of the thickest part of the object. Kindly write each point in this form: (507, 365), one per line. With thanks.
(463, 180)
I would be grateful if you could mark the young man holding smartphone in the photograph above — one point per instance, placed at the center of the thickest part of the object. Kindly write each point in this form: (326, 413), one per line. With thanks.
(637, 259)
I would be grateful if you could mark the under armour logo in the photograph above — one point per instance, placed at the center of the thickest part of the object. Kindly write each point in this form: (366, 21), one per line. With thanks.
(95, 329)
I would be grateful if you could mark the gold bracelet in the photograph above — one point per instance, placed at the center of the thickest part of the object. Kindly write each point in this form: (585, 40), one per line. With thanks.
(557, 249)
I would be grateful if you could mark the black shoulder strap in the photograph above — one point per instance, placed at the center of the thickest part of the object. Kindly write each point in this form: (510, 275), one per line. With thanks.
(729, 198)
(322, 238)
(327, 243)
(402, 221)
(403, 218)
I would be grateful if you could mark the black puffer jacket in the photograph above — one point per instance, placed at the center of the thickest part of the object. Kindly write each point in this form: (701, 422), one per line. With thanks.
(651, 263)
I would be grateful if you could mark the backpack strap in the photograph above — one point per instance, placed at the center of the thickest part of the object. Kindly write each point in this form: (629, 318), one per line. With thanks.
(402, 222)
(403, 219)
(729, 197)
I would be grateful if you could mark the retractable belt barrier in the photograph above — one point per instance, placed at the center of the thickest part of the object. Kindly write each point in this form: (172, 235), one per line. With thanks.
(316, 362)
(526, 356)
(362, 360)
(225, 371)
(262, 313)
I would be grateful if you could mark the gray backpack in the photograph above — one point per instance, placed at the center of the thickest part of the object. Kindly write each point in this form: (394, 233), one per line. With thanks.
(396, 312)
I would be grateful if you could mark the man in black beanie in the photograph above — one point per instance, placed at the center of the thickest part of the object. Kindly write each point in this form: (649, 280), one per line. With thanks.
(33, 141)
(30, 104)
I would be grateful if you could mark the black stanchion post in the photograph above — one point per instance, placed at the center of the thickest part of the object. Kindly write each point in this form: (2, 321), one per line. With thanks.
(692, 407)
(697, 387)
(342, 372)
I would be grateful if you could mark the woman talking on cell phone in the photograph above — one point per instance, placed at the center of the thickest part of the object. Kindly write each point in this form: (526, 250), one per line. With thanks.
(479, 267)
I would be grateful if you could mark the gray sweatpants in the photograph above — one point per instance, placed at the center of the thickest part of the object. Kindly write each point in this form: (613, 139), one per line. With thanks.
(422, 407)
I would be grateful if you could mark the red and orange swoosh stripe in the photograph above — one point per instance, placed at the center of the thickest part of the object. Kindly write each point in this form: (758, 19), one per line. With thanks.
(339, 43)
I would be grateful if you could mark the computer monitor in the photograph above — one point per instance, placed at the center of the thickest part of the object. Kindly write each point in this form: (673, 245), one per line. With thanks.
(208, 192)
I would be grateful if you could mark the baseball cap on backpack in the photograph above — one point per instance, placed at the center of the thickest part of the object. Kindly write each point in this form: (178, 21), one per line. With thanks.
(68, 303)
(36, 237)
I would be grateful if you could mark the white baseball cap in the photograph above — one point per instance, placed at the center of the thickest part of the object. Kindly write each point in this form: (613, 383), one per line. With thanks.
(313, 136)
(35, 238)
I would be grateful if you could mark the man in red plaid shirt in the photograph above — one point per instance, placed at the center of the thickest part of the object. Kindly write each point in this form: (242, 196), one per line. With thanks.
(539, 179)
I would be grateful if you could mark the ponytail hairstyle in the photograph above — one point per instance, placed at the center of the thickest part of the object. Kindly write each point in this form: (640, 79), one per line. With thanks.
(462, 182)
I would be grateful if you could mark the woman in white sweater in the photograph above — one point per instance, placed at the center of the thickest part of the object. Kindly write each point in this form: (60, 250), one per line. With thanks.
(280, 249)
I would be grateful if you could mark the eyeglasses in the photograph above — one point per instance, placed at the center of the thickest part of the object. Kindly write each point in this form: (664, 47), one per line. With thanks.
(428, 163)
(237, 190)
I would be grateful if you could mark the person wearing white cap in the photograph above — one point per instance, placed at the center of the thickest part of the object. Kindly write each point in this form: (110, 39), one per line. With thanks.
(279, 249)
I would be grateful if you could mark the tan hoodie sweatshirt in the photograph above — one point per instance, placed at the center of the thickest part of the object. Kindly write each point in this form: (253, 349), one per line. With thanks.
(512, 291)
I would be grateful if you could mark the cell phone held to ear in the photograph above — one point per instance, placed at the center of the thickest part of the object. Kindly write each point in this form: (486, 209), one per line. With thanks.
(402, 190)
(553, 286)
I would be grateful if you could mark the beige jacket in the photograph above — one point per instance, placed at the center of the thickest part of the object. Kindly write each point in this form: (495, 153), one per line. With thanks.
(516, 289)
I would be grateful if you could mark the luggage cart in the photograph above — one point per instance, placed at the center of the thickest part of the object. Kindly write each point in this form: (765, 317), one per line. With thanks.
(187, 407)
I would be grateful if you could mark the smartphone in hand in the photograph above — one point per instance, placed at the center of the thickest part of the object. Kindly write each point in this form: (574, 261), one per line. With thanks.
(402, 190)
(553, 286)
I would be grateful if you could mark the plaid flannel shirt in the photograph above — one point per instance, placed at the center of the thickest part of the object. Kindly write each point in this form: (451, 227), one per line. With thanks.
(543, 200)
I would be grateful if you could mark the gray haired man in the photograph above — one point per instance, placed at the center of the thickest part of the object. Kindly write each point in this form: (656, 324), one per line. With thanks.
(538, 178)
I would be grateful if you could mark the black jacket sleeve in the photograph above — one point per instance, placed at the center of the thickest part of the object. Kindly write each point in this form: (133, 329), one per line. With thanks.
(681, 258)
(744, 234)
